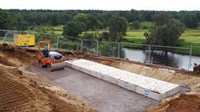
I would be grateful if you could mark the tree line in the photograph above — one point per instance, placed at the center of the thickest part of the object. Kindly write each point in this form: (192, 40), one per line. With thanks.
(89, 19)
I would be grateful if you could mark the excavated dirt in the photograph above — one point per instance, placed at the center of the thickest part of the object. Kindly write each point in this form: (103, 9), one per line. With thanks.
(185, 103)
(15, 56)
(27, 92)
(39, 95)
(23, 91)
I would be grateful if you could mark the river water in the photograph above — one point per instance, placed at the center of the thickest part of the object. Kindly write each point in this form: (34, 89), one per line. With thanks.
(158, 57)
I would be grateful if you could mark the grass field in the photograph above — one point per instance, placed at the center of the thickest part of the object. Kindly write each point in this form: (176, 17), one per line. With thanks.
(189, 36)
(137, 36)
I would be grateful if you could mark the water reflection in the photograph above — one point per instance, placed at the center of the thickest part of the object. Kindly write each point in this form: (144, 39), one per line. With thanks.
(159, 57)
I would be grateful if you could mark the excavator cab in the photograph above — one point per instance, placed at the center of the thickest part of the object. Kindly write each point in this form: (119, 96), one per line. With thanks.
(50, 59)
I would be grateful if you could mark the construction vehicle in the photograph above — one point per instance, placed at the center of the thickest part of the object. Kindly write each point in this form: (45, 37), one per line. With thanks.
(23, 40)
(50, 59)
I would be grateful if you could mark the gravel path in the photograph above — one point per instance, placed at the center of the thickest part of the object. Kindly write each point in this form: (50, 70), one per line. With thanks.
(104, 96)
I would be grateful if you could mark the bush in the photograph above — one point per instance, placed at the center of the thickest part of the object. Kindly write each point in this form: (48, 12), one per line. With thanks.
(69, 45)
(136, 24)
(91, 36)
(180, 42)
(104, 36)
(107, 49)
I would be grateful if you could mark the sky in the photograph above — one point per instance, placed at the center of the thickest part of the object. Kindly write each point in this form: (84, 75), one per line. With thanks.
(164, 5)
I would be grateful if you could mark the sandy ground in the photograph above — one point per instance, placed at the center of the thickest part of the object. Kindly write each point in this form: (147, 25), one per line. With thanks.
(104, 96)
(20, 58)
(22, 91)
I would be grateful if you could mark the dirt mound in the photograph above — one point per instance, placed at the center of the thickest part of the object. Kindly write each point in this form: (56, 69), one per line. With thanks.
(178, 103)
(196, 69)
(184, 103)
(27, 92)
(15, 56)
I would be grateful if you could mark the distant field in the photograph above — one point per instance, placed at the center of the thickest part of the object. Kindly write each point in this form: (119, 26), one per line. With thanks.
(58, 29)
(137, 36)
(190, 36)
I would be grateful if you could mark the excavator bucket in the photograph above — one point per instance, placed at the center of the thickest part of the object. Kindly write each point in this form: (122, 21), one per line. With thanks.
(56, 66)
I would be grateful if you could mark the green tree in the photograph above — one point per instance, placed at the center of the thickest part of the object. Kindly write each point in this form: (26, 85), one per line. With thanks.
(136, 24)
(104, 36)
(161, 18)
(20, 24)
(89, 20)
(73, 29)
(5, 19)
(117, 27)
(190, 20)
(165, 32)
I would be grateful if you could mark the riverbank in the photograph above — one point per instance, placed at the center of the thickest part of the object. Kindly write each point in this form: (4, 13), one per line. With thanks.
(190, 36)
(183, 49)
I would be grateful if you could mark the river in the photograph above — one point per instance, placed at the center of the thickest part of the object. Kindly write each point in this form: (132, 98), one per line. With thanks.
(158, 57)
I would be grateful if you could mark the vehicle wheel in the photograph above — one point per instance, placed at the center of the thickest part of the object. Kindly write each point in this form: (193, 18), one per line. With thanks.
(49, 67)
(40, 64)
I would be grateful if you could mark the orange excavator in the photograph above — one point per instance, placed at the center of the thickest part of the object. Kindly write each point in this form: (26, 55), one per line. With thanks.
(50, 59)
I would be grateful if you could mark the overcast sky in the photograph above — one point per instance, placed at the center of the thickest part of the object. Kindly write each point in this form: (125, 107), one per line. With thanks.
(173, 5)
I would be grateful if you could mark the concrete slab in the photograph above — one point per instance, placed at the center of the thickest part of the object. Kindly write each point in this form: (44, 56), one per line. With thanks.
(146, 86)
(103, 96)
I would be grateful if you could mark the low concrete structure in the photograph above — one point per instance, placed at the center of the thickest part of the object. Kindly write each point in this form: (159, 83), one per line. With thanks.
(147, 86)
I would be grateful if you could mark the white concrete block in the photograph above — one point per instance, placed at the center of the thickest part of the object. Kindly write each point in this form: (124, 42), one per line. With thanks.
(68, 64)
(93, 73)
(73, 66)
(122, 83)
(110, 79)
(99, 75)
(147, 86)
(173, 91)
(127, 85)
(150, 94)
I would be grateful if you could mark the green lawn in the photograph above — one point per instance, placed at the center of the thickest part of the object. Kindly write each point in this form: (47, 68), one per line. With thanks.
(58, 29)
(189, 35)
(137, 36)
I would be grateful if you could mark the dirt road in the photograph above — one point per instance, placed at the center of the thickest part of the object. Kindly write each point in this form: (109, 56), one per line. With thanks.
(104, 97)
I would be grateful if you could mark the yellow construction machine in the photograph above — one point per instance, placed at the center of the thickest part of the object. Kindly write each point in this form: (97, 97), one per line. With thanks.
(24, 40)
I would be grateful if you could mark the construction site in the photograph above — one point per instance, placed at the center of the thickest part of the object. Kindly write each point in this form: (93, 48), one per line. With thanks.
(84, 82)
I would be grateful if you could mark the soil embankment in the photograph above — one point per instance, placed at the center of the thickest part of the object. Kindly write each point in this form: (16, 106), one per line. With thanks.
(27, 92)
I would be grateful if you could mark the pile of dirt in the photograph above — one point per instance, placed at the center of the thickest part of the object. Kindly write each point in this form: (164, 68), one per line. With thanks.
(15, 56)
(24, 91)
(179, 103)
(184, 103)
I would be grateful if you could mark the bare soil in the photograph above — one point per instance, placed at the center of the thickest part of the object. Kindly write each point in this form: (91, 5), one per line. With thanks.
(27, 92)
(184, 103)
(39, 95)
